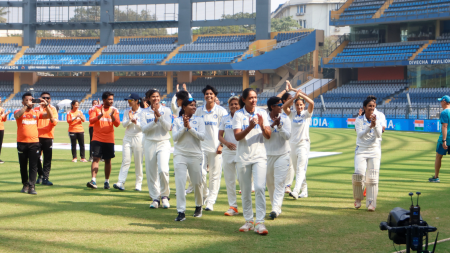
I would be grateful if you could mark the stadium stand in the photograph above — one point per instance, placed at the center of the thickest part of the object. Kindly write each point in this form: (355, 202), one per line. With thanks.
(225, 39)
(412, 7)
(226, 57)
(53, 59)
(361, 9)
(6, 89)
(381, 52)
(286, 39)
(9, 48)
(62, 46)
(147, 41)
(118, 48)
(6, 58)
(440, 49)
(232, 46)
(117, 59)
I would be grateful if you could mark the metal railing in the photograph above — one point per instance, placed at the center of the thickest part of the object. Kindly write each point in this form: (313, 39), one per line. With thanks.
(363, 64)
(397, 112)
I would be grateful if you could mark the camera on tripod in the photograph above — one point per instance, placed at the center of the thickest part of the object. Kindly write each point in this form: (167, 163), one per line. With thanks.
(408, 227)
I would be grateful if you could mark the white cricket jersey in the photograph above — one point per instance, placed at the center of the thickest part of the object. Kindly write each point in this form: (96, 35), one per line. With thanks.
(381, 117)
(188, 142)
(299, 126)
(174, 105)
(212, 121)
(158, 131)
(367, 137)
(226, 125)
(278, 144)
(250, 149)
(131, 128)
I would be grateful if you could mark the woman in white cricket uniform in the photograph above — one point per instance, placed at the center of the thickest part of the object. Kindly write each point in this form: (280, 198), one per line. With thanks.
(278, 158)
(299, 141)
(212, 115)
(250, 126)
(229, 154)
(367, 156)
(132, 144)
(188, 131)
(156, 123)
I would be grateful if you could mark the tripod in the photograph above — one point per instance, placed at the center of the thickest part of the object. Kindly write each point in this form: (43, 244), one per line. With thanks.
(414, 236)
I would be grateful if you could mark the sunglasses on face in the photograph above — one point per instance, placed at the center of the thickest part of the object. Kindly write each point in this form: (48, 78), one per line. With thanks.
(130, 100)
(279, 105)
(190, 99)
(46, 98)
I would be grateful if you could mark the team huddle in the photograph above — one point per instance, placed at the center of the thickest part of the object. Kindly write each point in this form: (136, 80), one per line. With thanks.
(255, 146)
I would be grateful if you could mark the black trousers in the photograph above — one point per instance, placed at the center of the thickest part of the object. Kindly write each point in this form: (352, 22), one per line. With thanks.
(2, 133)
(73, 140)
(28, 154)
(91, 134)
(47, 150)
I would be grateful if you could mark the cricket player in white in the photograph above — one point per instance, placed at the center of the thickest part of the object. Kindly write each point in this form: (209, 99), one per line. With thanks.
(132, 143)
(188, 131)
(156, 123)
(212, 115)
(229, 154)
(278, 157)
(299, 141)
(367, 156)
(250, 126)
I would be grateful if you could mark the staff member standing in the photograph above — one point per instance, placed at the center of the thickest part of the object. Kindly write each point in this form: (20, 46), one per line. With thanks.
(367, 156)
(442, 143)
(132, 143)
(46, 127)
(212, 115)
(104, 117)
(28, 145)
(278, 157)
(91, 129)
(75, 118)
(250, 126)
(229, 154)
(156, 122)
(188, 131)
(299, 141)
(3, 118)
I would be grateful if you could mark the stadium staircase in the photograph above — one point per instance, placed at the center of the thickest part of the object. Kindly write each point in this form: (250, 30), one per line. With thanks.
(384, 7)
(95, 56)
(172, 54)
(336, 14)
(18, 55)
(337, 51)
(421, 49)
(10, 97)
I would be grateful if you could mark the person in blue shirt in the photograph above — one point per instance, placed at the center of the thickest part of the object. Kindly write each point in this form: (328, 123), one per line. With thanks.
(442, 148)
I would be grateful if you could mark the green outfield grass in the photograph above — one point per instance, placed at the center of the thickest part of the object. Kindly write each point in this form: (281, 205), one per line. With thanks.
(68, 217)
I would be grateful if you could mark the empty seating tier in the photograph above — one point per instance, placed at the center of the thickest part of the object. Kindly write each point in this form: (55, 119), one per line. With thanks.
(118, 59)
(225, 39)
(404, 8)
(6, 58)
(9, 48)
(233, 46)
(53, 59)
(68, 42)
(440, 49)
(148, 41)
(378, 52)
(39, 49)
(227, 57)
(361, 9)
(286, 39)
(119, 48)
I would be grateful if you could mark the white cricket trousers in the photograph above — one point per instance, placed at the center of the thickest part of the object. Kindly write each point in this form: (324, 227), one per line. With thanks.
(258, 170)
(367, 163)
(182, 164)
(290, 175)
(215, 174)
(299, 158)
(157, 156)
(229, 174)
(277, 169)
(131, 146)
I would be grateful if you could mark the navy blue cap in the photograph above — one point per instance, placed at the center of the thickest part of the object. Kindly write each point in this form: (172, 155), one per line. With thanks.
(133, 96)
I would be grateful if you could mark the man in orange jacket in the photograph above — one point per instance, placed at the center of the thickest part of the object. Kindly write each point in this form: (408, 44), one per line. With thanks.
(104, 117)
(46, 128)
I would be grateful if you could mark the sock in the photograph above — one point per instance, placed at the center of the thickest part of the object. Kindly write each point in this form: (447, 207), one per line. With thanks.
(93, 179)
(106, 180)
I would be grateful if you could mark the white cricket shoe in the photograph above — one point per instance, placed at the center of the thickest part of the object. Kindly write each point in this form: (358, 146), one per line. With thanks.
(138, 187)
(371, 208)
(165, 202)
(189, 190)
(261, 229)
(232, 211)
(357, 204)
(287, 189)
(154, 204)
(209, 206)
(303, 195)
(247, 227)
(294, 195)
(119, 186)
